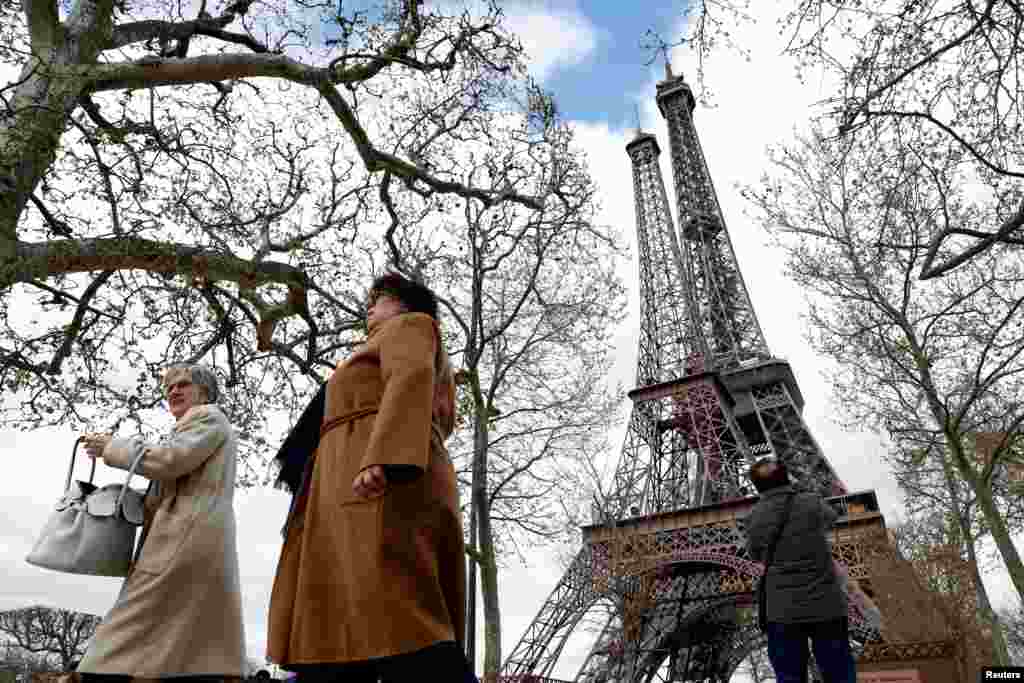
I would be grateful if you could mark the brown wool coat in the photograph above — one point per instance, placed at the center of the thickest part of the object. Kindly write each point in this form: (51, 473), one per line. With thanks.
(179, 612)
(361, 579)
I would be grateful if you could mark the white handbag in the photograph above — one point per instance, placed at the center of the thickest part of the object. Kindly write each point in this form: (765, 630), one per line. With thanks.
(92, 529)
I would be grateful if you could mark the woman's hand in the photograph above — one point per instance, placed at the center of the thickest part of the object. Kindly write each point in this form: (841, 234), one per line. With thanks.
(370, 482)
(95, 443)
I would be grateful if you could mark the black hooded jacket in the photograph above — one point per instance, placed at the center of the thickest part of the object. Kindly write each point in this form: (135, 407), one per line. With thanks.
(802, 585)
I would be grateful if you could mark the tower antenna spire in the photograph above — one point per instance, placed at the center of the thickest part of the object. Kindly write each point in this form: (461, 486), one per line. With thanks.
(668, 63)
(636, 114)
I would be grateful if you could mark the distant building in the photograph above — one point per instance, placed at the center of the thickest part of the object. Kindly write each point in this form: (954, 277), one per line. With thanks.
(985, 444)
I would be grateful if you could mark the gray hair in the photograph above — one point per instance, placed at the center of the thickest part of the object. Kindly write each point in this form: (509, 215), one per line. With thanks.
(202, 376)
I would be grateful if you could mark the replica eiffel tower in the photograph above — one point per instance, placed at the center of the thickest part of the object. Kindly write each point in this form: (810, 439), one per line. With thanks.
(669, 543)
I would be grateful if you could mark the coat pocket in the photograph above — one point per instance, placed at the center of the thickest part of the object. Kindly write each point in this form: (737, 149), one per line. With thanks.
(340, 459)
(164, 541)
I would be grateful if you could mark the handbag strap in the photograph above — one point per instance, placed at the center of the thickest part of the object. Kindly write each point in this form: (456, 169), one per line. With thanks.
(770, 556)
(131, 473)
(71, 468)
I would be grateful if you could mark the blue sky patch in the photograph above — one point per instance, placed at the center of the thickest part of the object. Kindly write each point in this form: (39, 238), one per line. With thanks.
(603, 87)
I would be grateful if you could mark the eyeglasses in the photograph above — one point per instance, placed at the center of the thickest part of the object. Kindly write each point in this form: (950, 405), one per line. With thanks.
(183, 384)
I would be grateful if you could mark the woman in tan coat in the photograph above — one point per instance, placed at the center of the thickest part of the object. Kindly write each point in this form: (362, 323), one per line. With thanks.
(179, 613)
(370, 582)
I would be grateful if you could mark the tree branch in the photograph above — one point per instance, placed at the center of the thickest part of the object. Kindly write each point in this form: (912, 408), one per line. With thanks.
(951, 133)
(139, 31)
(928, 271)
(43, 24)
(376, 160)
(94, 113)
(57, 226)
(58, 294)
(850, 116)
(72, 330)
(41, 260)
(223, 333)
(149, 73)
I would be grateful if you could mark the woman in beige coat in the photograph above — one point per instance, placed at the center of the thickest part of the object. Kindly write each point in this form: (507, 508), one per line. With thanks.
(179, 613)
(370, 582)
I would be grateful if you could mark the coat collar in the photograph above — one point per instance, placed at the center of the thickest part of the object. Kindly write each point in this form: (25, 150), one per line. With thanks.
(373, 330)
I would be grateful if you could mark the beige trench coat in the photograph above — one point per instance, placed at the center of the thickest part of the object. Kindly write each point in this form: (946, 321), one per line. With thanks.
(361, 579)
(179, 612)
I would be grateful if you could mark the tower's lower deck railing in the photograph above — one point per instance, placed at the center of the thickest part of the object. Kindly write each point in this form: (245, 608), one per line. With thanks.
(854, 509)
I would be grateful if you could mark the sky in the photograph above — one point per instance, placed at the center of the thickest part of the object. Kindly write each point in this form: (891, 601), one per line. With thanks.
(588, 55)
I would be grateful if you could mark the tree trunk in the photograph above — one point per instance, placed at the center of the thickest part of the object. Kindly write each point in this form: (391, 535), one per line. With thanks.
(43, 101)
(963, 464)
(983, 494)
(471, 581)
(1000, 534)
(987, 614)
(485, 534)
(492, 611)
(28, 146)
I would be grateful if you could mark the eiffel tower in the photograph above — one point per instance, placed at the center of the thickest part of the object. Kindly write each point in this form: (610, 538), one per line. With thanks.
(710, 398)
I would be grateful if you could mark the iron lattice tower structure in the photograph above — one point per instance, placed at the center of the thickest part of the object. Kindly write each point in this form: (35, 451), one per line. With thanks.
(709, 398)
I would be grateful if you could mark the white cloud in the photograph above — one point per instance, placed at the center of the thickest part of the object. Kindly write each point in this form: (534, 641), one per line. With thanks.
(552, 38)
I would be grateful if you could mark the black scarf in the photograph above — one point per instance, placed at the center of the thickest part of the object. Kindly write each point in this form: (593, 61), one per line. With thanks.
(300, 444)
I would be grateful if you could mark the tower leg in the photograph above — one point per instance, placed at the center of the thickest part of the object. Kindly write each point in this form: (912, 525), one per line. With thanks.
(792, 442)
(571, 597)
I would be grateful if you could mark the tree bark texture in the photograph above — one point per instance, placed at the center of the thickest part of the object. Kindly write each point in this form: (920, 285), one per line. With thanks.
(485, 533)
(43, 100)
(988, 615)
(471, 580)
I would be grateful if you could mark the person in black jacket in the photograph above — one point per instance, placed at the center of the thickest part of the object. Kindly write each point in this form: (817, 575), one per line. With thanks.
(805, 599)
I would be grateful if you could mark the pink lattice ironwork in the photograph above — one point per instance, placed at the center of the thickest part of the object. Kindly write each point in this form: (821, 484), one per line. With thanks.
(710, 430)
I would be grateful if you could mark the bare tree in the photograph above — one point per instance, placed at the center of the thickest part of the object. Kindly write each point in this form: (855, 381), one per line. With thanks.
(949, 68)
(14, 660)
(51, 633)
(532, 296)
(934, 364)
(210, 183)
